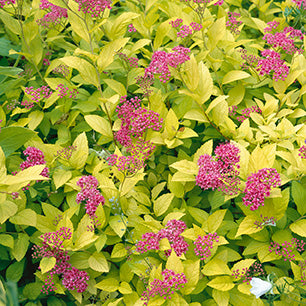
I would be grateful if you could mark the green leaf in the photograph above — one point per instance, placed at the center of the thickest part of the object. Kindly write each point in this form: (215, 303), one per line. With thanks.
(299, 195)
(247, 226)
(99, 124)
(7, 240)
(118, 251)
(36, 118)
(14, 271)
(299, 227)
(171, 124)
(185, 166)
(98, 262)
(10, 71)
(60, 177)
(118, 224)
(109, 284)
(79, 156)
(214, 221)
(20, 246)
(205, 86)
(46, 264)
(235, 75)
(7, 209)
(222, 283)
(216, 267)
(13, 137)
(25, 217)
(192, 273)
(162, 203)
(161, 32)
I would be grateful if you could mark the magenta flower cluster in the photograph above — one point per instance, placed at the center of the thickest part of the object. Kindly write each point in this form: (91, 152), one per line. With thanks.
(131, 62)
(172, 231)
(221, 171)
(302, 265)
(245, 112)
(54, 16)
(38, 94)
(52, 246)
(131, 28)
(271, 61)
(161, 60)
(284, 40)
(286, 248)
(66, 153)
(204, 244)
(185, 30)
(246, 274)
(135, 121)
(34, 157)
(220, 2)
(61, 69)
(91, 196)
(64, 91)
(4, 2)
(300, 3)
(165, 288)
(265, 221)
(94, 7)
(302, 151)
(233, 24)
(259, 185)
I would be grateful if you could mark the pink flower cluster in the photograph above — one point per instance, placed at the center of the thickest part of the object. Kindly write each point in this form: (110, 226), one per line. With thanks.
(250, 59)
(46, 60)
(220, 2)
(145, 82)
(285, 39)
(265, 221)
(36, 95)
(132, 62)
(161, 60)
(172, 231)
(300, 3)
(13, 104)
(66, 153)
(165, 288)
(34, 157)
(286, 248)
(131, 28)
(4, 2)
(232, 23)
(271, 25)
(204, 244)
(94, 7)
(185, 30)
(27, 104)
(271, 61)
(62, 69)
(135, 121)
(302, 265)
(259, 185)
(65, 91)
(245, 112)
(54, 15)
(91, 196)
(220, 171)
(247, 274)
(52, 246)
(302, 151)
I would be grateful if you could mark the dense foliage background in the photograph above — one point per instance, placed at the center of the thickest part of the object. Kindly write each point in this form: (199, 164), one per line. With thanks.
(152, 152)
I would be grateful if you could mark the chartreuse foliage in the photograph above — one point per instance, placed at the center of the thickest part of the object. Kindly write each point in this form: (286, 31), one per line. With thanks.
(68, 68)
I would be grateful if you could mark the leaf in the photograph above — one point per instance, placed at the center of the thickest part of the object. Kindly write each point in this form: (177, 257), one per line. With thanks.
(205, 86)
(299, 227)
(116, 86)
(13, 137)
(192, 273)
(162, 203)
(47, 264)
(185, 166)
(243, 264)
(60, 177)
(262, 158)
(14, 271)
(235, 75)
(171, 124)
(222, 283)
(78, 26)
(108, 284)
(247, 226)
(98, 262)
(216, 267)
(119, 251)
(7, 240)
(191, 73)
(221, 297)
(174, 263)
(25, 217)
(99, 124)
(79, 156)
(214, 221)
(299, 195)
(216, 32)
(86, 70)
(161, 32)
(10, 71)
(215, 102)
(36, 118)
(118, 225)
(7, 209)
(20, 246)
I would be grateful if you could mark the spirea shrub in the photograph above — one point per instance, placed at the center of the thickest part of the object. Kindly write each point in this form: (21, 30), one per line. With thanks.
(152, 152)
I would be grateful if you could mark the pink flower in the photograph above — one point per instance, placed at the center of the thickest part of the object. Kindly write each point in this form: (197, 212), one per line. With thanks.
(170, 283)
(204, 244)
(233, 23)
(259, 185)
(4, 2)
(131, 28)
(94, 7)
(300, 3)
(74, 279)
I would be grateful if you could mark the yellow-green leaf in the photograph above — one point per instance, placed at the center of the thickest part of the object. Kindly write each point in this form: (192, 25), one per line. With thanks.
(162, 203)
(99, 124)
(60, 177)
(79, 156)
(222, 283)
(109, 284)
(25, 217)
(235, 75)
(299, 227)
(216, 267)
(7, 209)
(247, 226)
(185, 166)
(46, 264)
(7, 240)
(118, 224)
(98, 262)
(214, 221)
